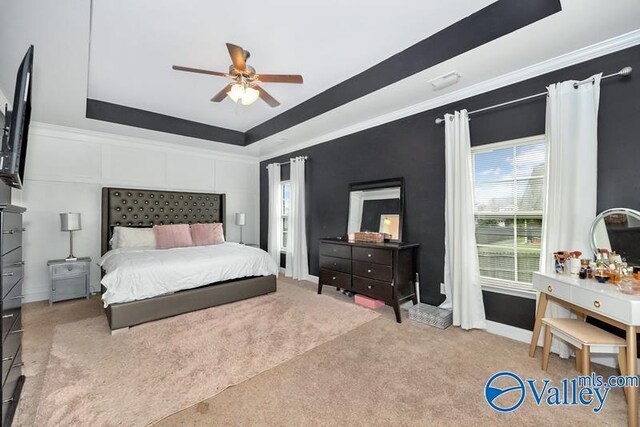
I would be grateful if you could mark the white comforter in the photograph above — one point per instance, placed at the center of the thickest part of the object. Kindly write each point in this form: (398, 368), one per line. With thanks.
(135, 274)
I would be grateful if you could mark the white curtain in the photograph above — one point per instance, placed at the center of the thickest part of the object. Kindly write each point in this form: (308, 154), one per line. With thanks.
(571, 177)
(297, 258)
(275, 212)
(461, 269)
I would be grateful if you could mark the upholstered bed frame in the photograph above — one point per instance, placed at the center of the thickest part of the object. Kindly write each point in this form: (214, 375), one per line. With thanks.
(145, 208)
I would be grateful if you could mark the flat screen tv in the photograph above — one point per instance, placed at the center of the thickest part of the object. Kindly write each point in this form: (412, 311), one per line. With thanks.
(16, 130)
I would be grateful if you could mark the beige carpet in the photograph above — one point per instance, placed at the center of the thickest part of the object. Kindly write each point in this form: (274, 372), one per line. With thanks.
(388, 374)
(380, 373)
(153, 370)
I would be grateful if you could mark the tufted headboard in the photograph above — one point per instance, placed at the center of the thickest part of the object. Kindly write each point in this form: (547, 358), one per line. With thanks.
(129, 207)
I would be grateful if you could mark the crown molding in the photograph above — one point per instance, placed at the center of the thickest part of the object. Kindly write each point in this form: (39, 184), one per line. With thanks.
(96, 137)
(596, 50)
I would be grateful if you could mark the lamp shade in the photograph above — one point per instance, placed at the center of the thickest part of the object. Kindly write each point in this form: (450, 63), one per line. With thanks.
(240, 218)
(70, 221)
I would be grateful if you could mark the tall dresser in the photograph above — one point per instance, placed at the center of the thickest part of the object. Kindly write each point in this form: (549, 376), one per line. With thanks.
(11, 284)
(383, 271)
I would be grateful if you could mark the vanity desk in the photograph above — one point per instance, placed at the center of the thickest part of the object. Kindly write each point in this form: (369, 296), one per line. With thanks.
(383, 271)
(602, 301)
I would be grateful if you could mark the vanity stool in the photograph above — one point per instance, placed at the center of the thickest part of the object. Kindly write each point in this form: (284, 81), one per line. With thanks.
(586, 338)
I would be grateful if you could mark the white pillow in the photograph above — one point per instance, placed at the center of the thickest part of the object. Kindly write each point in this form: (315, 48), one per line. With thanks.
(133, 237)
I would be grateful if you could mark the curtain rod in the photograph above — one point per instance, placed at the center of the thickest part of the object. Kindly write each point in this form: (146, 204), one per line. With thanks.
(286, 163)
(623, 73)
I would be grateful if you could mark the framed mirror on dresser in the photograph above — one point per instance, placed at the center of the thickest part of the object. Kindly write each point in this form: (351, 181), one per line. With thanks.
(385, 270)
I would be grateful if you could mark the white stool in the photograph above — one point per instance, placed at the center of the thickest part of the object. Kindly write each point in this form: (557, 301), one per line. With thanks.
(587, 339)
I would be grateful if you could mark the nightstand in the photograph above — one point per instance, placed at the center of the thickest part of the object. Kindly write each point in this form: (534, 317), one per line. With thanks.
(69, 279)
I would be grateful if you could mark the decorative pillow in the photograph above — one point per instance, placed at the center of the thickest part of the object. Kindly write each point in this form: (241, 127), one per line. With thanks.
(207, 234)
(133, 237)
(172, 236)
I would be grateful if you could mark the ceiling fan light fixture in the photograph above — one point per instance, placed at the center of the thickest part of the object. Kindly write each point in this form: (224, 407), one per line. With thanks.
(237, 92)
(250, 96)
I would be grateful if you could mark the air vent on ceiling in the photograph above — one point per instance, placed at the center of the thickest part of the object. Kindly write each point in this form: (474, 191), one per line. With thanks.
(445, 80)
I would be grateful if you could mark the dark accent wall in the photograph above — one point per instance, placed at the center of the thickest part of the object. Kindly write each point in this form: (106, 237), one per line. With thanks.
(413, 148)
(114, 113)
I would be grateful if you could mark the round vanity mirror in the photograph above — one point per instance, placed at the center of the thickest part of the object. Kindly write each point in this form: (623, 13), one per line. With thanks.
(618, 230)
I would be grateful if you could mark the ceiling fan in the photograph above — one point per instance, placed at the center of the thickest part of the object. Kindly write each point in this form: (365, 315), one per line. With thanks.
(244, 87)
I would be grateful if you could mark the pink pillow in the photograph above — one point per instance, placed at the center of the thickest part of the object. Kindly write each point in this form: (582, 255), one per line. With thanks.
(172, 236)
(207, 234)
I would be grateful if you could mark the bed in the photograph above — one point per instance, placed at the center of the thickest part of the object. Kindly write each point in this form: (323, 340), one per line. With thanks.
(144, 208)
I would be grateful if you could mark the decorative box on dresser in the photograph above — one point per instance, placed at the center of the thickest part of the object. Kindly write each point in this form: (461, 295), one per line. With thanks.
(383, 271)
(11, 284)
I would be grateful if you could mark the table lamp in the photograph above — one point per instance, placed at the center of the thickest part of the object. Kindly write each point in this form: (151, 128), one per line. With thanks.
(241, 221)
(70, 222)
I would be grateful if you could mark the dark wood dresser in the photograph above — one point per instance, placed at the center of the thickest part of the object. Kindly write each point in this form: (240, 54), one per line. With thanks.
(383, 271)
(11, 305)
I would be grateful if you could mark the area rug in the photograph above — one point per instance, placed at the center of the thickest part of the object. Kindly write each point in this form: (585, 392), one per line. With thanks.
(156, 369)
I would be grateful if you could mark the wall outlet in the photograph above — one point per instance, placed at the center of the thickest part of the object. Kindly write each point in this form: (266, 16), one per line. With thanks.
(443, 289)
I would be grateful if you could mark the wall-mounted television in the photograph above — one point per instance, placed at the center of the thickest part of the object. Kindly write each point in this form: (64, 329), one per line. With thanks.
(16, 130)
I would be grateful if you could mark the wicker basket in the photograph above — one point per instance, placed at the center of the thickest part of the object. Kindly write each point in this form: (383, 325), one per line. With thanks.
(369, 237)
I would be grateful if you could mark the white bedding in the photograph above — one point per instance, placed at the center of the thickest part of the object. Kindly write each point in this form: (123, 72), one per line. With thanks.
(135, 274)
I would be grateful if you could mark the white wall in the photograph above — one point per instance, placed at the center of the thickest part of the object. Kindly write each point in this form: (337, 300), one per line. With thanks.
(66, 169)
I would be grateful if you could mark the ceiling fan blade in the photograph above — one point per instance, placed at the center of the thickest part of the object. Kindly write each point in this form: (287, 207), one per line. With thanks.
(198, 70)
(280, 78)
(222, 94)
(266, 97)
(237, 56)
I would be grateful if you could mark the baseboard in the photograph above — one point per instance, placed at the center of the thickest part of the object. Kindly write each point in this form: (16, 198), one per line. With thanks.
(312, 278)
(509, 331)
(36, 296)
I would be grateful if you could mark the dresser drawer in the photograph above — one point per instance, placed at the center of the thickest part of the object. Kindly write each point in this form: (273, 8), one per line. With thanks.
(8, 361)
(333, 278)
(69, 269)
(372, 288)
(331, 249)
(11, 231)
(11, 381)
(377, 256)
(335, 264)
(560, 291)
(8, 317)
(372, 271)
(13, 299)
(603, 304)
(10, 348)
(12, 270)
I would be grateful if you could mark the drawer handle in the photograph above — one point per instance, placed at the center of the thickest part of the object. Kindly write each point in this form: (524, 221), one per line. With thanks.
(13, 231)
(7, 316)
(335, 263)
(17, 297)
(17, 331)
(333, 278)
(369, 287)
(15, 264)
(6, 359)
(596, 304)
(369, 255)
(4, 402)
(369, 271)
(7, 274)
(550, 288)
(18, 365)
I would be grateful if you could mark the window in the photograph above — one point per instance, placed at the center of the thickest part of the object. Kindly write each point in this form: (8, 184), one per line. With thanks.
(509, 197)
(286, 205)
